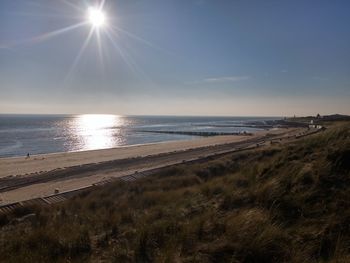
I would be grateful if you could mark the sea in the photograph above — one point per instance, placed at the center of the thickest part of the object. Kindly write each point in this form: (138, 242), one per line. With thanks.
(42, 134)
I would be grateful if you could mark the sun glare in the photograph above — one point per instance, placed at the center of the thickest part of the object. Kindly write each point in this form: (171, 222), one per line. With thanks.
(96, 17)
(97, 131)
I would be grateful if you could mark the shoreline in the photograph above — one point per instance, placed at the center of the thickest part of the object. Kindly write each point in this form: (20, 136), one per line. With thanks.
(23, 179)
(22, 166)
(93, 150)
(115, 148)
(193, 136)
(126, 151)
(248, 136)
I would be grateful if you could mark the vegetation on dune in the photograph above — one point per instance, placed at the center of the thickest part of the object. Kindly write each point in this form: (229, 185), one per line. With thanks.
(283, 204)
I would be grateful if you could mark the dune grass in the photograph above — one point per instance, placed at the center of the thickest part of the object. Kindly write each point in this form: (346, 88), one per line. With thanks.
(288, 203)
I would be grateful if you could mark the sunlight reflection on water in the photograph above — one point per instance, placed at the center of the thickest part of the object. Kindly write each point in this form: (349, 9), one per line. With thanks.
(41, 134)
(98, 131)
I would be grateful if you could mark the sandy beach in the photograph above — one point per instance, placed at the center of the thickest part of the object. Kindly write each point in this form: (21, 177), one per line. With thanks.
(40, 175)
(46, 162)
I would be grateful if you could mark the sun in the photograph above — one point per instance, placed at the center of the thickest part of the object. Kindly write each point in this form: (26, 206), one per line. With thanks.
(96, 17)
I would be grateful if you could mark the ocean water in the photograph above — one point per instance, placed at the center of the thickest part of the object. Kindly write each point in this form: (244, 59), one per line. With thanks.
(39, 134)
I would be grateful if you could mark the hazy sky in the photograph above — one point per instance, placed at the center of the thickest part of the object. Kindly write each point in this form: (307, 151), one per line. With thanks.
(180, 57)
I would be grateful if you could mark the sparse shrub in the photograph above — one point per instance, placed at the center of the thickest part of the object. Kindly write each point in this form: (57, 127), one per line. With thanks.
(285, 204)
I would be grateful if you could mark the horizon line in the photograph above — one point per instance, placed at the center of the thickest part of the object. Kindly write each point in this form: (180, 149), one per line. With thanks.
(171, 115)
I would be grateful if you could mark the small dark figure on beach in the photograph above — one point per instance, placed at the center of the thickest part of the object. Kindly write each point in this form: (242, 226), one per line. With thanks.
(28, 156)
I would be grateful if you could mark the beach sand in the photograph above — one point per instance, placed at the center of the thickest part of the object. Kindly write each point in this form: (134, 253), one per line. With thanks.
(35, 165)
(47, 162)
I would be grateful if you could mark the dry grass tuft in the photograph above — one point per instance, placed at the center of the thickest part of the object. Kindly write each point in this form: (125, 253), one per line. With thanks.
(285, 204)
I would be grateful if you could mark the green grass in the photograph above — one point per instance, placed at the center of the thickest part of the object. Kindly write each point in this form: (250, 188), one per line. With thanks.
(283, 204)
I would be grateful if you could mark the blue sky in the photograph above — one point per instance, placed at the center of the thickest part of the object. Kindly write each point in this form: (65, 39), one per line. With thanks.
(184, 57)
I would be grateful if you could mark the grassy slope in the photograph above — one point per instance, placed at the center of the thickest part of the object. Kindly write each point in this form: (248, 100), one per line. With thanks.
(288, 203)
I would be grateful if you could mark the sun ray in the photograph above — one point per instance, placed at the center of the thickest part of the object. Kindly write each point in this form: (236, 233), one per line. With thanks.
(102, 4)
(99, 48)
(69, 3)
(127, 58)
(96, 17)
(60, 16)
(131, 35)
(80, 53)
(53, 8)
(55, 33)
(140, 39)
(45, 36)
(121, 53)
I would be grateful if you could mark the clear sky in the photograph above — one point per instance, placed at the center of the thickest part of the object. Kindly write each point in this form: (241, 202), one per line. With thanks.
(180, 57)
